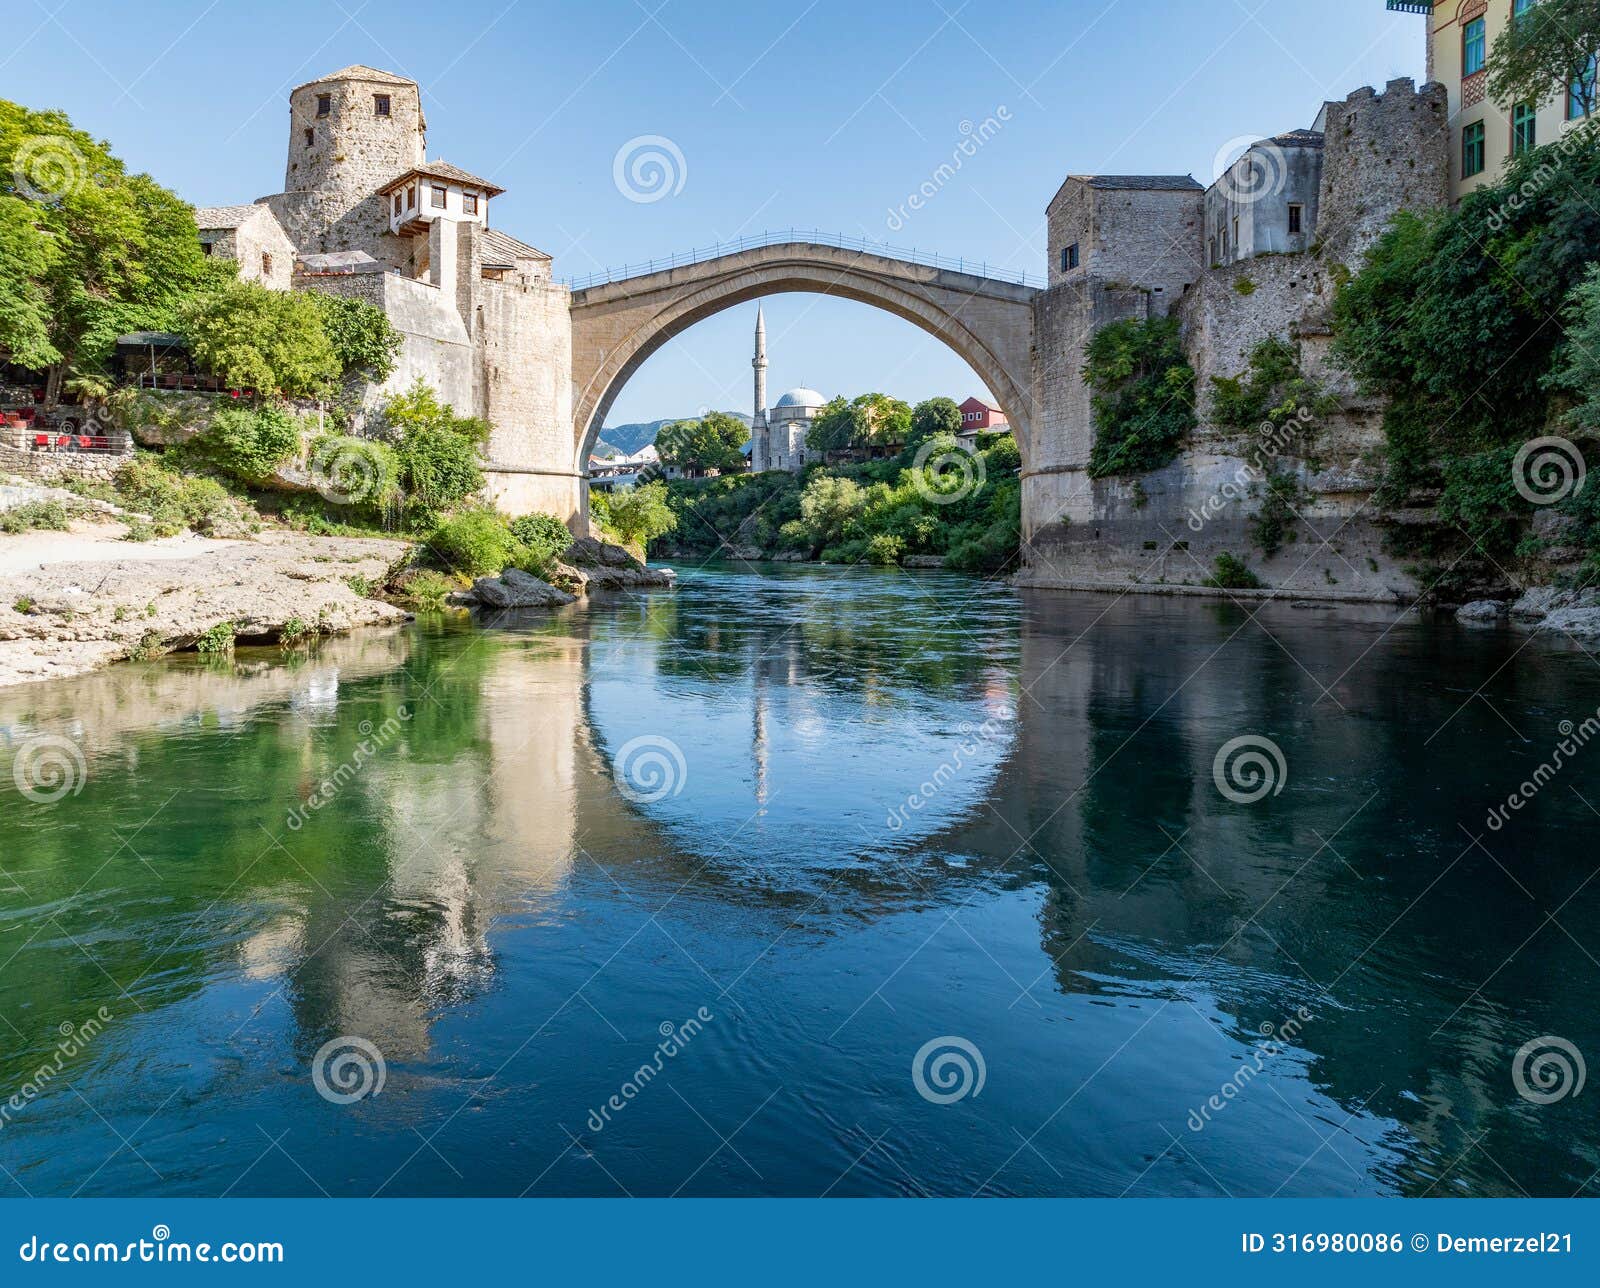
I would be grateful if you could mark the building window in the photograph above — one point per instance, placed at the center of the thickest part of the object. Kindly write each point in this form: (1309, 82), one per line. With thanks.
(324, 104)
(1521, 7)
(411, 197)
(1524, 128)
(1211, 250)
(1297, 219)
(1474, 46)
(438, 197)
(266, 264)
(469, 203)
(311, 137)
(1070, 257)
(380, 105)
(397, 205)
(1472, 154)
(1582, 92)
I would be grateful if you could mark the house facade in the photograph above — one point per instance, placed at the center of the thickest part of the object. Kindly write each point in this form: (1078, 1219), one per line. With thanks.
(1485, 136)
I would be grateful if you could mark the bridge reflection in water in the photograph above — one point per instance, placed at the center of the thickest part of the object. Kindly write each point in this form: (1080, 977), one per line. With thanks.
(906, 809)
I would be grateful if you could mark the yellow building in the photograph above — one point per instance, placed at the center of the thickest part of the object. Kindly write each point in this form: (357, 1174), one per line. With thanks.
(1484, 135)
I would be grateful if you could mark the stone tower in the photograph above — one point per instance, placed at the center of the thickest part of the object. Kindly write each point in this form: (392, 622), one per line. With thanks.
(760, 444)
(349, 134)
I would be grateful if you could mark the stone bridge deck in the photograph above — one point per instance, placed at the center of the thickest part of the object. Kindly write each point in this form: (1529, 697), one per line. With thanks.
(619, 322)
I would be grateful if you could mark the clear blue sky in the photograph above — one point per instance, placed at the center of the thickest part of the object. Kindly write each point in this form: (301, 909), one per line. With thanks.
(826, 114)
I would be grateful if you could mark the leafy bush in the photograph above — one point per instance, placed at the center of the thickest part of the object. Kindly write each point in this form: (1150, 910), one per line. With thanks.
(1480, 498)
(426, 592)
(885, 548)
(475, 543)
(361, 334)
(218, 639)
(1003, 456)
(174, 502)
(362, 471)
(438, 451)
(269, 341)
(1143, 396)
(543, 536)
(51, 515)
(829, 505)
(1272, 388)
(636, 516)
(1232, 574)
(1273, 522)
(251, 442)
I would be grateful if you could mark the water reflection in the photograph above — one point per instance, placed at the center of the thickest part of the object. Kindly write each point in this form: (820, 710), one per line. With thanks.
(910, 807)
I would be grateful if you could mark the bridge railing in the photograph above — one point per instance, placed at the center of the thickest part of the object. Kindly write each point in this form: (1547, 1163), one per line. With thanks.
(809, 237)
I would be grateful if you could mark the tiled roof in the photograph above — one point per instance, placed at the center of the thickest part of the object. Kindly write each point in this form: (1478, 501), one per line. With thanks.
(1142, 182)
(502, 247)
(1299, 139)
(361, 72)
(443, 170)
(210, 217)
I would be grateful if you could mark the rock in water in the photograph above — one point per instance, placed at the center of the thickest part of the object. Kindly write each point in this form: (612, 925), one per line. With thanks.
(1481, 612)
(517, 589)
(598, 565)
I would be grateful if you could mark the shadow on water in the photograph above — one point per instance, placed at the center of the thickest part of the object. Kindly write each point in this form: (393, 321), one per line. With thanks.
(842, 813)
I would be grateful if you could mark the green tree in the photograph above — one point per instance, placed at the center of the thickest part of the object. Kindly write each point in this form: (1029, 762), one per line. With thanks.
(1143, 396)
(361, 334)
(270, 341)
(638, 515)
(869, 419)
(930, 417)
(829, 504)
(1548, 51)
(1579, 370)
(714, 442)
(440, 461)
(87, 250)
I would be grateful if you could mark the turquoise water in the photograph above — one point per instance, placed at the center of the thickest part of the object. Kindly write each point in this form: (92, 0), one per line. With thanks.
(810, 882)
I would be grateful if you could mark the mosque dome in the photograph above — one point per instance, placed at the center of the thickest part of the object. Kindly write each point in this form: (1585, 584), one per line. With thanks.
(802, 398)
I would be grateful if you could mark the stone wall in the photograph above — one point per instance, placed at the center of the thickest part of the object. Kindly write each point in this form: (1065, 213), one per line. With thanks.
(1128, 236)
(47, 467)
(1382, 153)
(330, 199)
(259, 246)
(434, 345)
(524, 333)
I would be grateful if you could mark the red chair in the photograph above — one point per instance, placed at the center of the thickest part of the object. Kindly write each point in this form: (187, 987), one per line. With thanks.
(41, 441)
(64, 441)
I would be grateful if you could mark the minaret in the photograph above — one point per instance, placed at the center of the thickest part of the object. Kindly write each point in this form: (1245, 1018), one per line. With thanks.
(760, 440)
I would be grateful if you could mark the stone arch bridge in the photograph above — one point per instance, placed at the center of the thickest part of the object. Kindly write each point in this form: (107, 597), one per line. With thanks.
(617, 324)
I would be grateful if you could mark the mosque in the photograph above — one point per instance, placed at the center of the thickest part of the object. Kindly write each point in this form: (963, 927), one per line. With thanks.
(778, 436)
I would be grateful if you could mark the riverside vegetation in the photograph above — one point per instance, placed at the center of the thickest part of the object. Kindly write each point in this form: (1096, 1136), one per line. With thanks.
(930, 500)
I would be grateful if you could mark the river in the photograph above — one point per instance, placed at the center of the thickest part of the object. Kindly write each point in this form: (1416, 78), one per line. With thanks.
(812, 881)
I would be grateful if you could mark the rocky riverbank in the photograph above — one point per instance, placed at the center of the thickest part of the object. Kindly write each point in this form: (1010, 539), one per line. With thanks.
(72, 602)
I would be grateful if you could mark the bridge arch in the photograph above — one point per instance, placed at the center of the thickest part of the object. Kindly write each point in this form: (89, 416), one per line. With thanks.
(617, 326)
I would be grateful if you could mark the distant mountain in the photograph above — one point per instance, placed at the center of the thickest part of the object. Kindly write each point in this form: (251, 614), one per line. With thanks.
(628, 439)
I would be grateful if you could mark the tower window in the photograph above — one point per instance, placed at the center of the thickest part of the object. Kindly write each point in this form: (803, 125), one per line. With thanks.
(1472, 150)
(438, 197)
(380, 105)
(1070, 257)
(266, 264)
(1524, 128)
(324, 104)
(469, 203)
(1297, 219)
(311, 137)
(1474, 46)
